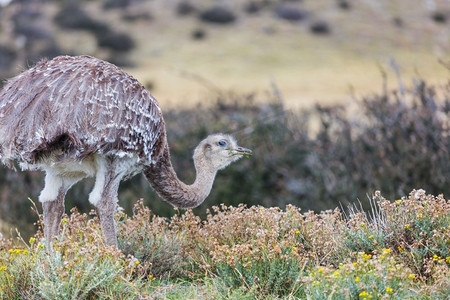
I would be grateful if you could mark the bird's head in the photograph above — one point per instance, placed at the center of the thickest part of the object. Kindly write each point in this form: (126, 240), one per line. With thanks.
(219, 150)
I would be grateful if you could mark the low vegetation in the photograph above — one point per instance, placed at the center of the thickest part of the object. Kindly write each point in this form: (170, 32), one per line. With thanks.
(398, 250)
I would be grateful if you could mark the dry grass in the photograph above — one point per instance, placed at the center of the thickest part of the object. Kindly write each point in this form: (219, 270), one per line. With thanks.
(399, 250)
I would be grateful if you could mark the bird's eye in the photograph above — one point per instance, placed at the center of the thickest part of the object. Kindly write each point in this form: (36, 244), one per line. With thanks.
(222, 143)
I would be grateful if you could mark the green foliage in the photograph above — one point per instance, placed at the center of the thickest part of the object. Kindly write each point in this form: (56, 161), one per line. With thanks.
(148, 238)
(367, 277)
(57, 277)
(15, 277)
(268, 276)
(78, 266)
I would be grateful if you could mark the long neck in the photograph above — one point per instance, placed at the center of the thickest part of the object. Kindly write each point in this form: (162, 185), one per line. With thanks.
(164, 180)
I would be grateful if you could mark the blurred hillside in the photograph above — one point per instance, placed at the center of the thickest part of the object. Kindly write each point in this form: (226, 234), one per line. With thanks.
(315, 50)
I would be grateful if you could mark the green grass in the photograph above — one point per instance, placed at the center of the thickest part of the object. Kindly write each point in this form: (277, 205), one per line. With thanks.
(397, 251)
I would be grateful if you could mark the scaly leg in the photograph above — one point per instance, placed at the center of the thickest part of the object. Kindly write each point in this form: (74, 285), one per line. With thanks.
(52, 198)
(104, 197)
(53, 212)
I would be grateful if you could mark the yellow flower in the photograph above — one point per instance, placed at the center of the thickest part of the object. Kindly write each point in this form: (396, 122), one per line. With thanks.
(151, 277)
(40, 246)
(336, 274)
(357, 279)
(354, 263)
(406, 226)
(64, 221)
(297, 232)
(363, 293)
(400, 248)
(320, 270)
(386, 251)
(399, 201)
(436, 258)
(25, 252)
(32, 240)
(2, 268)
(371, 237)
(366, 257)
(137, 262)
(447, 259)
(389, 290)
(412, 276)
(419, 216)
(294, 249)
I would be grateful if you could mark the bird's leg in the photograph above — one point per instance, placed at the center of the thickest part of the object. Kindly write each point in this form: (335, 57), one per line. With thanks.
(52, 198)
(104, 197)
(105, 210)
(53, 212)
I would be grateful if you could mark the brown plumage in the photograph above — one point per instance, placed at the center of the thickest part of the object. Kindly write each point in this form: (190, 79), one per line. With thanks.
(76, 117)
(81, 104)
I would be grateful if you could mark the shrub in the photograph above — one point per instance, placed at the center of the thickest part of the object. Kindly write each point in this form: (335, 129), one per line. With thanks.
(120, 42)
(252, 7)
(270, 252)
(439, 17)
(148, 238)
(254, 252)
(320, 28)
(116, 4)
(78, 266)
(198, 34)
(136, 16)
(7, 56)
(344, 4)
(185, 8)
(71, 16)
(218, 15)
(290, 13)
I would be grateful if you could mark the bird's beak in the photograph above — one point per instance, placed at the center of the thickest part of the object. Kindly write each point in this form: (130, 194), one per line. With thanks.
(243, 151)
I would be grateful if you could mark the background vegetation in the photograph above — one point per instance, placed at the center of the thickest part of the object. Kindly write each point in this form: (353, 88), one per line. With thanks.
(315, 159)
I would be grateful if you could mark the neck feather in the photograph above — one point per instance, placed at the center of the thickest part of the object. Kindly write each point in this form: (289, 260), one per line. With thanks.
(165, 182)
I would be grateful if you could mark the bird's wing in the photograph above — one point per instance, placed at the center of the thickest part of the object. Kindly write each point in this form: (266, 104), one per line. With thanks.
(78, 105)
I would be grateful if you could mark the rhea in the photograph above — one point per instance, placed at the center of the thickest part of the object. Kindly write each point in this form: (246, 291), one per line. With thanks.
(78, 117)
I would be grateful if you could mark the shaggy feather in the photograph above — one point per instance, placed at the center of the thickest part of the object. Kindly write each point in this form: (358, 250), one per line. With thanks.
(80, 105)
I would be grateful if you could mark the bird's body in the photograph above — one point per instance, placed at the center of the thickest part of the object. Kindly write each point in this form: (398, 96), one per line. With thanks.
(77, 117)
(81, 104)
